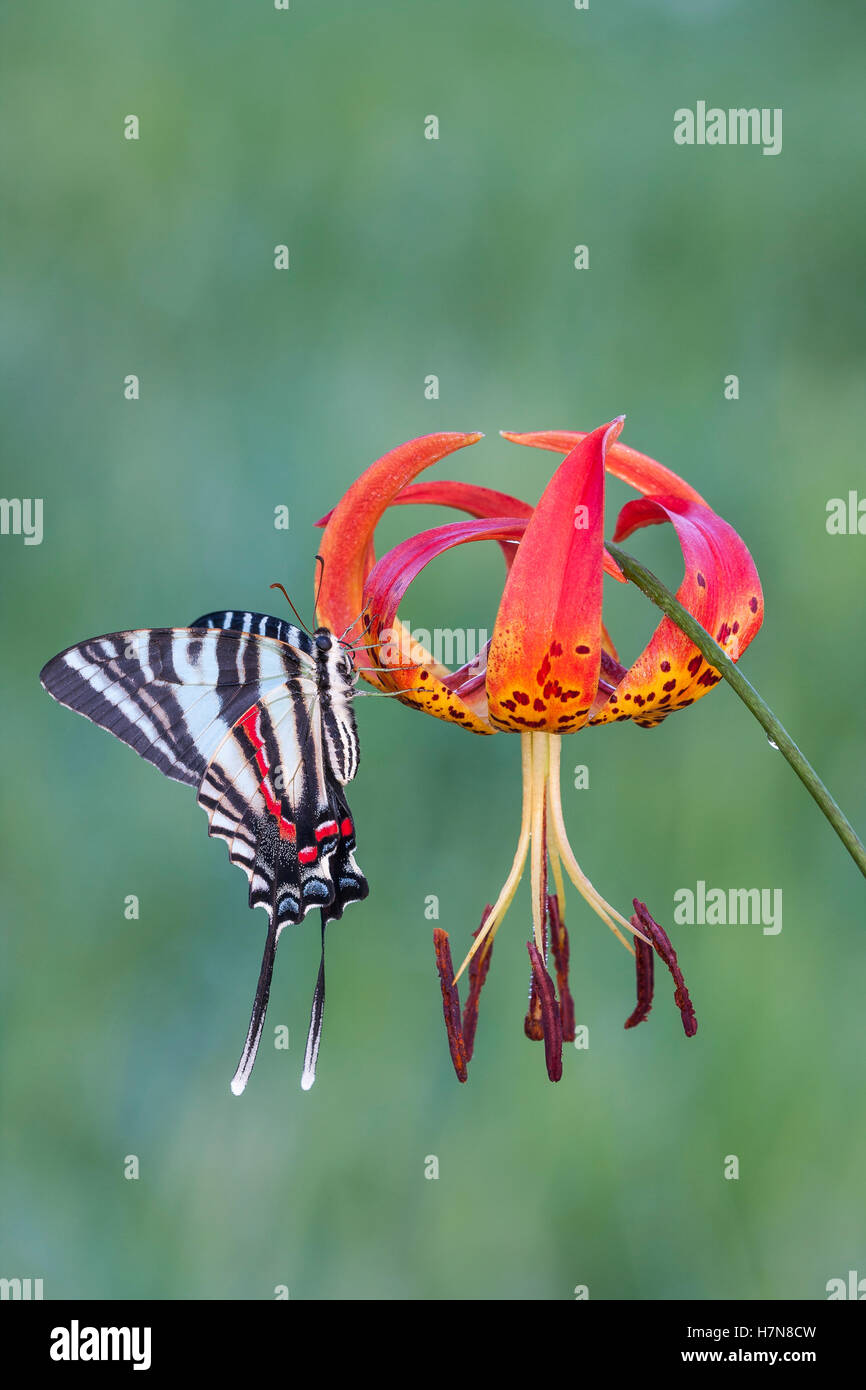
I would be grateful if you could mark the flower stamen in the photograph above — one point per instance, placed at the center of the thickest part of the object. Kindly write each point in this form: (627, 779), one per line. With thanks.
(550, 1020)
(538, 858)
(662, 943)
(450, 1003)
(510, 886)
(644, 969)
(477, 975)
(559, 946)
(543, 836)
(559, 837)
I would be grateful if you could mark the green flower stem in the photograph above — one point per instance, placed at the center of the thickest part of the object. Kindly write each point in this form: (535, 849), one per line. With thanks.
(664, 599)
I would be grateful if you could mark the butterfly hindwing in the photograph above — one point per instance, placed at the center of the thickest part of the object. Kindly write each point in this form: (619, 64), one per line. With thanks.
(266, 794)
(350, 885)
(301, 849)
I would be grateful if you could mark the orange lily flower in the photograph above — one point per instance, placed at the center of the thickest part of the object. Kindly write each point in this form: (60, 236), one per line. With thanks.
(549, 669)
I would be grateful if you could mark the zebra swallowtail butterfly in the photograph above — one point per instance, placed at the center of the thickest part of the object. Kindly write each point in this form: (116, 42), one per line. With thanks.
(257, 715)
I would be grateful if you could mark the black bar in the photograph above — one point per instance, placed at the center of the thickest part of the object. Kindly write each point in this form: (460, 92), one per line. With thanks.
(221, 1337)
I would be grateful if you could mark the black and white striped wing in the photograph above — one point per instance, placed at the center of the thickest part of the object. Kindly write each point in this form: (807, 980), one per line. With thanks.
(228, 705)
(301, 854)
(298, 854)
(172, 694)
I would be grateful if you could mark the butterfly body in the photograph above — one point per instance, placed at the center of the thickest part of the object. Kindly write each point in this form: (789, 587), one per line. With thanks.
(256, 714)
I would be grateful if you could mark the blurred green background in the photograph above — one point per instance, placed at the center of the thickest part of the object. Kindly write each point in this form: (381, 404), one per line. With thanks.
(260, 388)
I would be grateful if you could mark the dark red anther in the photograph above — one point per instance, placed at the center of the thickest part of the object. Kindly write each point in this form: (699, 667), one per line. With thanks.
(478, 968)
(450, 1002)
(550, 1020)
(645, 923)
(559, 945)
(643, 960)
(533, 1026)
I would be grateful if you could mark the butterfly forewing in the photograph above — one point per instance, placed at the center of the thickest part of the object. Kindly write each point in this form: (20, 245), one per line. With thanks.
(170, 693)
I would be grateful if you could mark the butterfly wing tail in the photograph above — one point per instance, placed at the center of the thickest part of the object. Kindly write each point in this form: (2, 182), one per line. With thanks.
(349, 886)
(317, 1016)
(260, 1008)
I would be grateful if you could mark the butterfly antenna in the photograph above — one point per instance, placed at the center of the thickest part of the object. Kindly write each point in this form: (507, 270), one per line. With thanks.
(260, 1007)
(292, 606)
(317, 1015)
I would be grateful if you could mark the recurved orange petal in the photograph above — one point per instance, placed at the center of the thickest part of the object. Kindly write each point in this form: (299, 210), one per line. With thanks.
(543, 666)
(427, 687)
(483, 502)
(721, 589)
(347, 542)
(477, 501)
(636, 469)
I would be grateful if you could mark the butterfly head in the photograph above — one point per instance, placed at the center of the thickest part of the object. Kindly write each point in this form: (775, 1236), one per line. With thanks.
(338, 658)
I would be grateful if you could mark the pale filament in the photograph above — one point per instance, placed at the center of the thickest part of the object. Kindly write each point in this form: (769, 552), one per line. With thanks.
(542, 831)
